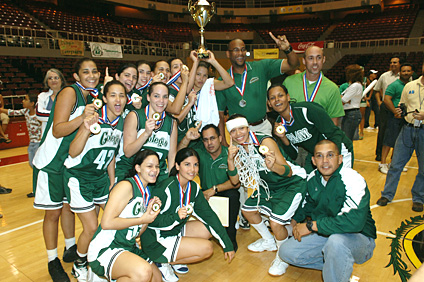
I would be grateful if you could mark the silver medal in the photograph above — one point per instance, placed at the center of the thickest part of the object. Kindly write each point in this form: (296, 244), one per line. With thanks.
(242, 103)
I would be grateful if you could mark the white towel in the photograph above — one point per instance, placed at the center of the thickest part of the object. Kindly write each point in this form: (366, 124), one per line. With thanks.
(207, 109)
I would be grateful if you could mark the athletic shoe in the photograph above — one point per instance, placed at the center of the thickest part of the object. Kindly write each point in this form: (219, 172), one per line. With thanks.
(168, 274)
(244, 224)
(70, 255)
(403, 170)
(382, 201)
(56, 271)
(80, 271)
(417, 207)
(261, 245)
(383, 168)
(30, 195)
(180, 268)
(92, 277)
(278, 267)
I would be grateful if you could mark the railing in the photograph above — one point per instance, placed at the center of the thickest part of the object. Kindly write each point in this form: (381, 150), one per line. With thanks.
(32, 38)
(249, 3)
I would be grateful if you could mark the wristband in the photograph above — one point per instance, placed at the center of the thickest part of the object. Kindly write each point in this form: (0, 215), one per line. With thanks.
(233, 172)
(288, 51)
(286, 170)
(215, 188)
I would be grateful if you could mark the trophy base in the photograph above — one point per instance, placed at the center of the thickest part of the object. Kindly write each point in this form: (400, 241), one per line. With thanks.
(203, 55)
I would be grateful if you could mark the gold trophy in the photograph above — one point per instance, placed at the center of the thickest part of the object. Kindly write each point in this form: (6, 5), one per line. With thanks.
(202, 13)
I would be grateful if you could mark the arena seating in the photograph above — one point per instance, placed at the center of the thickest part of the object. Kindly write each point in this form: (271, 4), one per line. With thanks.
(295, 30)
(393, 22)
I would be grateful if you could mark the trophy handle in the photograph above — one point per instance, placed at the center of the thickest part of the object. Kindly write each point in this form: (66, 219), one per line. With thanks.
(213, 10)
(190, 6)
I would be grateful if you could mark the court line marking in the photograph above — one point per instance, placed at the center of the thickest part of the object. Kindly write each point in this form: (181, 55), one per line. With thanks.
(21, 227)
(375, 162)
(13, 164)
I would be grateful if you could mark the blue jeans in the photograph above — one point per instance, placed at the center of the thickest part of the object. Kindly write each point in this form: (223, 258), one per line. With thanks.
(334, 255)
(350, 122)
(409, 139)
(32, 148)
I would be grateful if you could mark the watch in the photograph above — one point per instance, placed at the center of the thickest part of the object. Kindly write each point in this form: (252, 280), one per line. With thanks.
(309, 225)
(288, 51)
(215, 188)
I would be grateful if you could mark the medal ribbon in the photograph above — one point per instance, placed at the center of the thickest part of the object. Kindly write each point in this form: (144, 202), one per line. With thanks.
(175, 86)
(94, 92)
(141, 88)
(104, 120)
(174, 78)
(243, 81)
(129, 100)
(146, 111)
(144, 191)
(253, 139)
(284, 122)
(314, 92)
(188, 193)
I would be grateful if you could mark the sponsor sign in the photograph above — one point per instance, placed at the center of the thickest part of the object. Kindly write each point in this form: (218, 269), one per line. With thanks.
(266, 53)
(71, 47)
(300, 47)
(105, 50)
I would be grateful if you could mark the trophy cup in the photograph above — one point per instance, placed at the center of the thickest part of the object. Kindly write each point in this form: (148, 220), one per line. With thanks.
(202, 13)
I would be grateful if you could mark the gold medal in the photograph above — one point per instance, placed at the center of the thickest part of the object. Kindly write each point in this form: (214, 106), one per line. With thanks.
(280, 129)
(98, 103)
(185, 68)
(263, 149)
(135, 97)
(155, 207)
(156, 116)
(189, 209)
(161, 75)
(95, 128)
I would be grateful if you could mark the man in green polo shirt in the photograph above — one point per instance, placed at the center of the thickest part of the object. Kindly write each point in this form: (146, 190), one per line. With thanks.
(213, 169)
(394, 120)
(248, 95)
(318, 88)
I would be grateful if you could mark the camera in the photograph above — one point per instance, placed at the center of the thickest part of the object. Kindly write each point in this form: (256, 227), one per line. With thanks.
(402, 106)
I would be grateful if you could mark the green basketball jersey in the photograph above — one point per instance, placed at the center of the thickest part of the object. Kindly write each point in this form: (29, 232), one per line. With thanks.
(53, 151)
(99, 149)
(125, 238)
(159, 141)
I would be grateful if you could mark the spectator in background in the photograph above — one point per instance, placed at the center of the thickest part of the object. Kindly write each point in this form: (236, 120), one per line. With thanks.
(380, 89)
(394, 119)
(54, 81)
(33, 124)
(372, 104)
(351, 99)
(4, 120)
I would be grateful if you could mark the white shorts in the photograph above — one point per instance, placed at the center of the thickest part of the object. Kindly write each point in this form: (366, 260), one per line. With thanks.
(49, 190)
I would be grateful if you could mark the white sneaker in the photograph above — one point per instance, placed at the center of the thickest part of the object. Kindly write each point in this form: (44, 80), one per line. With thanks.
(261, 245)
(278, 267)
(180, 268)
(80, 272)
(383, 168)
(92, 277)
(168, 274)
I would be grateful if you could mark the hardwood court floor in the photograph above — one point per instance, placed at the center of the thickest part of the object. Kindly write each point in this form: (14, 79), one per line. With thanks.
(23, 256)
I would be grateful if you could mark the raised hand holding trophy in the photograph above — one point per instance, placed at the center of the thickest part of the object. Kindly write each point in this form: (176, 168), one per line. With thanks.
(202, 12)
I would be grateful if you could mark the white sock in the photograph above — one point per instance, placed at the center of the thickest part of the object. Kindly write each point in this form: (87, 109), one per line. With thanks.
(289, 229)
(81, 255)
(280, 242)
(51, 254)
(69, 242)
(263, 230)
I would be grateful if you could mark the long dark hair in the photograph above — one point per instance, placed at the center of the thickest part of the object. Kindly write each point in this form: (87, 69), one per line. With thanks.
(139, 159)
(181, 156)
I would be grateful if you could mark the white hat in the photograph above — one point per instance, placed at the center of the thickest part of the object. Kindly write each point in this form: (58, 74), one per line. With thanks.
(373, 71)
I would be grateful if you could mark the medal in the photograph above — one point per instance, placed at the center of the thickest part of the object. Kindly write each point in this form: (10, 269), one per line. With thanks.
(135, 97)
(185, 68)
(155, 207)
(280, 129)
(156, 116)
(161, 75)
(95, 128)
(242, 103)
(189, 209)
(263, 149)
(98, 103)
(196, 124)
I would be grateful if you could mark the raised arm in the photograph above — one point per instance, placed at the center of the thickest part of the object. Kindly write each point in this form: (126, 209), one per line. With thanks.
(78, 144)
(132, 143)
(226, 81)
(176, 106)
(283, 44)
